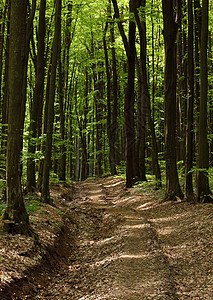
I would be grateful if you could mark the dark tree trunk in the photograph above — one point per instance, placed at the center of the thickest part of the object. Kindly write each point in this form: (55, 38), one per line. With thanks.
(3, 12)
(173, 189)
(189, 194)
(85, 166)
(29, 34)
(203, 190)
(48, 147)
(129, 106)
(111, 111)
(98, 87)
(15, 210)
(211, 98)
(109, 129)
(146, 105)
(129, 130)
(4, 119)
(43, 131)
(62, 165)
(115, 101)
(140, 146)
(37, 98)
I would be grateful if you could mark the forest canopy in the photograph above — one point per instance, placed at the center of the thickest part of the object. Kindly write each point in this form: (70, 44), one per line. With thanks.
(89, 88)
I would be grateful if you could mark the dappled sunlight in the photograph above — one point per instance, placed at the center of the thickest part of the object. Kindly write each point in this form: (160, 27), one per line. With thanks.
(170, 218)
(146, 205)
(137, 226)
(113, 184)
(135, 256)
(126, 201)
(166, 230)
(102, 262)
(95, 192)
(99, 242)
(132, 218)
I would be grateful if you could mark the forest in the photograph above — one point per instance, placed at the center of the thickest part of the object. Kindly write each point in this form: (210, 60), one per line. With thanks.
(89, 88)
(106, 149)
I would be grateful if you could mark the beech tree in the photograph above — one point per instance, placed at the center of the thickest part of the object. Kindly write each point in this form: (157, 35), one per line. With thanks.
(129, 93)
(189, 193)
(48, 146)
(15, 209)
(93, 98)
(173, 189)
(37, 102)
(203, 190)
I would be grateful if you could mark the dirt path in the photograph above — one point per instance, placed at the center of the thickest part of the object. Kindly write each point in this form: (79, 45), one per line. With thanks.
(118, 254)
(129, 246)
(140, 270)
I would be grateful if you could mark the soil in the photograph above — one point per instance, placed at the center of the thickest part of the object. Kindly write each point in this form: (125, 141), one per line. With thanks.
(102, 241)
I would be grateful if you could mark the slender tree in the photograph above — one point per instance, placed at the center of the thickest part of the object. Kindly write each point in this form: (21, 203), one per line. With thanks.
(189, 194)
(111, 93)
(129, 125)
(173, 189)
(145, 102)
(37, 98)
(48, 146)
(203, 190)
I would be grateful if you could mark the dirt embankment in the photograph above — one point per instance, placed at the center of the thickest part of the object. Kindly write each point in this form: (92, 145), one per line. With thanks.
(113, 243)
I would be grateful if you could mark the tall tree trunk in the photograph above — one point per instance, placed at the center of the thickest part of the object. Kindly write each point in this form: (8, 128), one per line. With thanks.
(37, 98)
(85, 166)
(197, 32)
(4, 120)
(146, 105)
(140, 145)
(62, 165)
(15, 210)
(42, 128)
(98, 87)
(115, 100)
(129, 129)
(173, 189)
(203, 190)
(189, 194)
(129, 105)
(111, 111)
(211, 97)
(48, 148)
(3, 12)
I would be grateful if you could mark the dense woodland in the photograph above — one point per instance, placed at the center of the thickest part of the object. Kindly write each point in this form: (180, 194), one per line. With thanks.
(89, 88)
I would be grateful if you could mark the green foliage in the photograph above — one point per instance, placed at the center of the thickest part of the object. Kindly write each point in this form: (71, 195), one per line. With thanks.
(121, 168)
(149, 187)
(2, 207)
(32, 204)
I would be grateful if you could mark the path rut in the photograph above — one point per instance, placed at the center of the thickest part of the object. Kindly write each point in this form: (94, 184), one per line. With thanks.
(140, 270)
(116, 255)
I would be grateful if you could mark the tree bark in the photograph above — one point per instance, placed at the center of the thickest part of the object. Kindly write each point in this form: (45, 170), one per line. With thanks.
(15, 210)
(111, 111)
(129, 130)
(189, 194)
(48, 147)
(173, 189)
(146, 105)
(37, 98)
(203, 190)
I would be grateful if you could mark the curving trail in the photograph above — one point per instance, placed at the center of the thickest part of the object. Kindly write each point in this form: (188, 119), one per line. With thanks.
(117, 256)
(139, 270)
(128, 246)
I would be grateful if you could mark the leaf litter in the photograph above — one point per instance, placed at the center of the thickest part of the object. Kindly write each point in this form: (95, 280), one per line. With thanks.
(101, 241)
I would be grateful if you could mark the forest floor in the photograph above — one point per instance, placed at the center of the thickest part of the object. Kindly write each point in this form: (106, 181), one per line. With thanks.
(102, 241)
